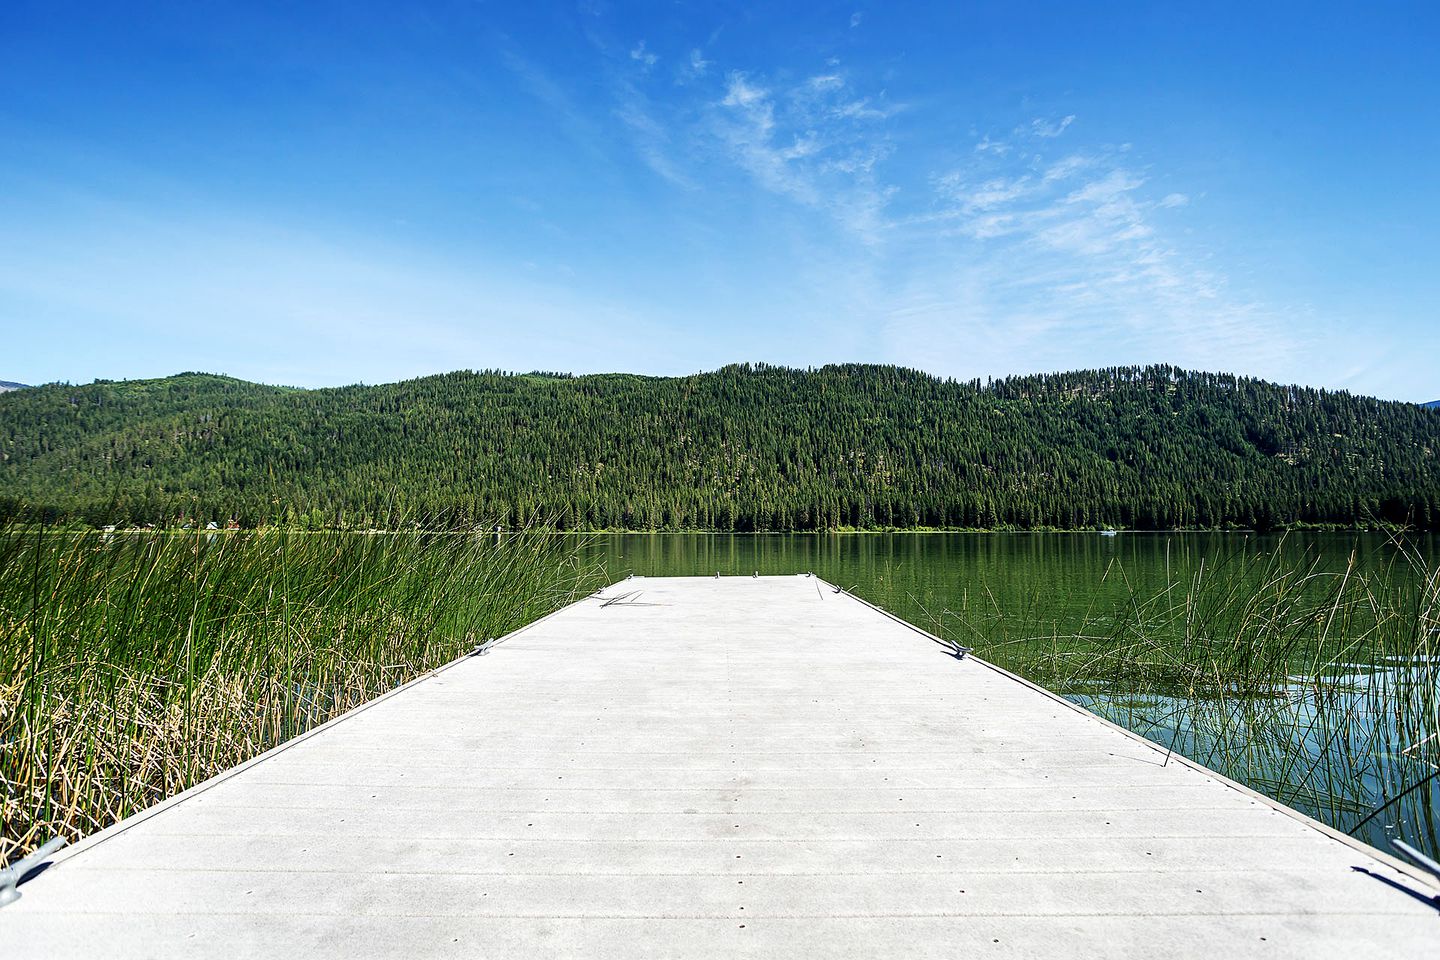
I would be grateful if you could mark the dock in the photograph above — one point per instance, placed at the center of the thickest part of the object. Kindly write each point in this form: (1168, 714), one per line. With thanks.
(721, 767)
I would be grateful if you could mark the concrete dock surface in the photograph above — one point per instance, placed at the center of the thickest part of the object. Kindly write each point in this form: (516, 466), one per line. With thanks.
(732, 767)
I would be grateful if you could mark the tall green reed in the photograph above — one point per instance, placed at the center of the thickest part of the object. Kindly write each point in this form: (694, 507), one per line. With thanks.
(1315, 685)
(133, 666)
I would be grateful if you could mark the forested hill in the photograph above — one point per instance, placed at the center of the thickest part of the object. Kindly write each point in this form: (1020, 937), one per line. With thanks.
(745, 447)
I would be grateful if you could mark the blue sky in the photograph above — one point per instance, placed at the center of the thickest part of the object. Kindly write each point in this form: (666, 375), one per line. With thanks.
(324, 193)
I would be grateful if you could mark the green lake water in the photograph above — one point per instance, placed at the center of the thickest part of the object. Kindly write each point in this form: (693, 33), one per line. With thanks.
(1332, 732)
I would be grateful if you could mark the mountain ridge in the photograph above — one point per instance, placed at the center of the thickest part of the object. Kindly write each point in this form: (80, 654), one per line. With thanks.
(744, 447)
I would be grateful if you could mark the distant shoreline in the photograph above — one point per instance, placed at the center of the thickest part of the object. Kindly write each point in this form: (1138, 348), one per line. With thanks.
(550, 532)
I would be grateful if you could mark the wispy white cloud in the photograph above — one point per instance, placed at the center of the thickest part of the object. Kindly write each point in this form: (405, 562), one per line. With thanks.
(697, 66)
(997, 147)
(650, 137)
(814, 141)
(865, 108)
(1049, 129)
(749, 130)
(1041, 252)
(644, 57)
(855, 19)
(740, 92)
(644, 127)
(1054, 254)
(1067, 167)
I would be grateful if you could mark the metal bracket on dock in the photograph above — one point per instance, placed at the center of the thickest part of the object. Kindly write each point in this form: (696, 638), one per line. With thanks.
(11, 876)
(961, 651)
(483, 648)
(1417, 856)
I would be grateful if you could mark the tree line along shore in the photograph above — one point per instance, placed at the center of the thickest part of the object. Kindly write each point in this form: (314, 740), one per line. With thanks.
(743, 448)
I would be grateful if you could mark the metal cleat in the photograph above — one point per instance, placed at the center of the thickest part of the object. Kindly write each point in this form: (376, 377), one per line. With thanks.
(11, 876)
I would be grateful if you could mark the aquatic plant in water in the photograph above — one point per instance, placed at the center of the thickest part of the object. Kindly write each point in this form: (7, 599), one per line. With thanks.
(134, 666)
(1319, 687)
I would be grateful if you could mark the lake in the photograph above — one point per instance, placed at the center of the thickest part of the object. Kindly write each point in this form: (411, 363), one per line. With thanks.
(1306, 666)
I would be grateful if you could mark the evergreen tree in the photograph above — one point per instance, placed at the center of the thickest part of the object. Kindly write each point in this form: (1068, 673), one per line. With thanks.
(747, 447)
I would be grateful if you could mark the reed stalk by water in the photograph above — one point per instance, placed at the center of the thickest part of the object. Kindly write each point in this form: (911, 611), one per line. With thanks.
(1315, 685)
(134, 666)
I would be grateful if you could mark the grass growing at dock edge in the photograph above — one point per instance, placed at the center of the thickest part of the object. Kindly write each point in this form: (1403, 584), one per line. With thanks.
(132, 667)
(1317, 686)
